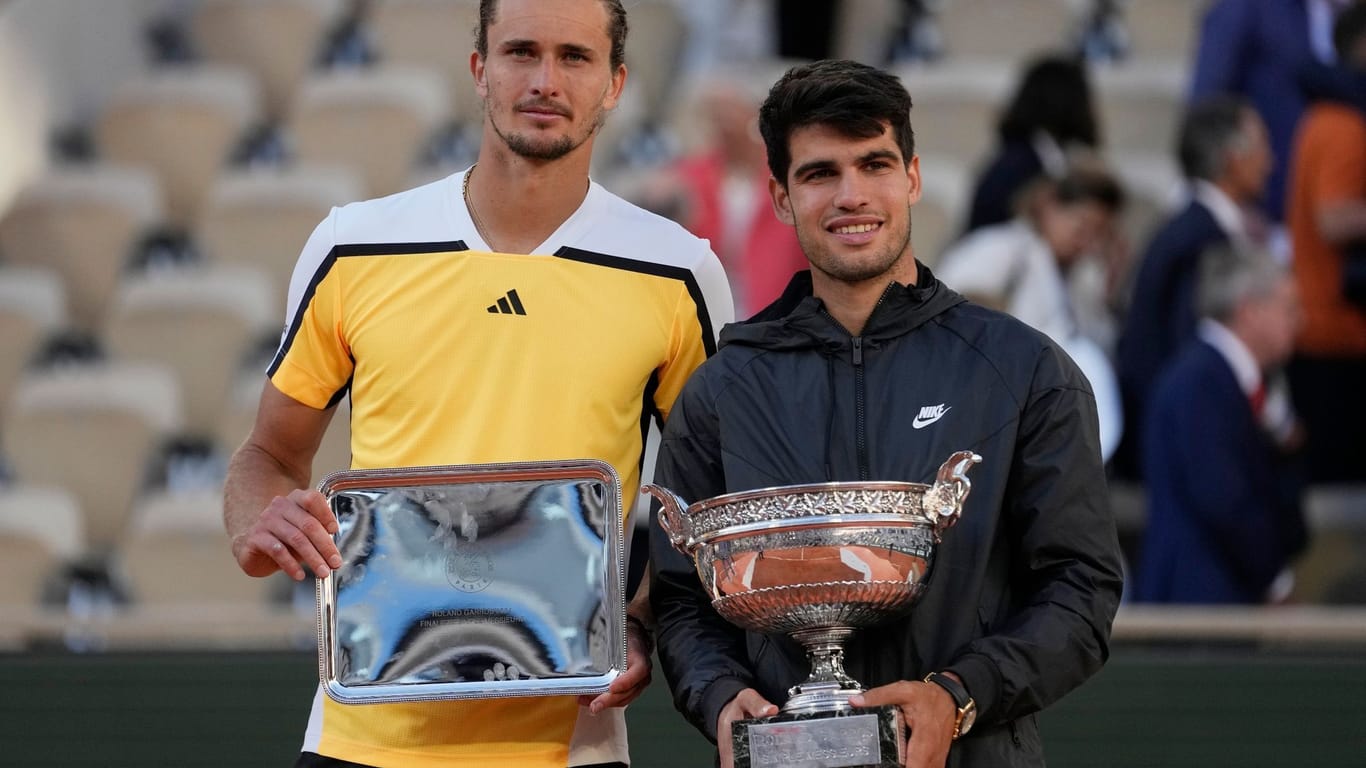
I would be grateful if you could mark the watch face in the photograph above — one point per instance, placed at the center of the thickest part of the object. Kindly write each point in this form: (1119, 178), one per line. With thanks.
(969, 717)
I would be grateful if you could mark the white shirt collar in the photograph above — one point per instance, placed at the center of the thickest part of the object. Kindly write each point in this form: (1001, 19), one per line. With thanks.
(1233, 350)
(1322, 14)
(1225, 212)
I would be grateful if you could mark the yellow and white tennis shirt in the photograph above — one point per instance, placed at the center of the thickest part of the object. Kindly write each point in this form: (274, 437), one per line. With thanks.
(454, 354)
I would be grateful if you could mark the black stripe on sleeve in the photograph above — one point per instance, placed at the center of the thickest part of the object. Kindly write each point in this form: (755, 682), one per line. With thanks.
(658, 270)
(339, 394)
(325, 266)
(649, 412)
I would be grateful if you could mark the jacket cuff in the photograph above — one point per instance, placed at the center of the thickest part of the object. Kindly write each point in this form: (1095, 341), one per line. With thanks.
(715, 697)
(983, 681)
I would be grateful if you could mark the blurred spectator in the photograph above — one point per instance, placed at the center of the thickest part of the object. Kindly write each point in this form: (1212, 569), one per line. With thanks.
(1327, 219)
(918, 37)
(721, 194)
(1224, 153)
(1257, 48)
(1051, 113)
(1027, 268)
(1224, 518)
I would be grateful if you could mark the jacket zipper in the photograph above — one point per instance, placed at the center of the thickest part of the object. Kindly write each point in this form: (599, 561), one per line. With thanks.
(860, 421)
(860, 411)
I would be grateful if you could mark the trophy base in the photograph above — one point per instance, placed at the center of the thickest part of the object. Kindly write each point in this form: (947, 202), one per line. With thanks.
(857, 737)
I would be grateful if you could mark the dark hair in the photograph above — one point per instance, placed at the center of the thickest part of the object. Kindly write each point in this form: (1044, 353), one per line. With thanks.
(616, 28)
(1208, 131)
(1054, 96)
(1089, 185)
(1347, 30)
(855, 99)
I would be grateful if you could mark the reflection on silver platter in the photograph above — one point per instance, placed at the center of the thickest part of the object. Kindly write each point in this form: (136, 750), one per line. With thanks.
(817, 561)
(476, 581)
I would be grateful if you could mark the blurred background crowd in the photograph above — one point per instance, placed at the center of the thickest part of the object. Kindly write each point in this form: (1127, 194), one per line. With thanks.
(1174, 190)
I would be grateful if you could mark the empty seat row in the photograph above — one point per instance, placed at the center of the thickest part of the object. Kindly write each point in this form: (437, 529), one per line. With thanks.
(173, 551)
(93, 434)
(184, 124)
(86, 223)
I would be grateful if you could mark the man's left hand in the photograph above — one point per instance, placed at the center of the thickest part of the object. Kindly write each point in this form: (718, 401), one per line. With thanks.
(929, 713)
(631, 683)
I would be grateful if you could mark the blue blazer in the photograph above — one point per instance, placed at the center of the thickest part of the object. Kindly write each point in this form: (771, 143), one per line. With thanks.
(1258, 48)
(1162, 314)
(1223, 513)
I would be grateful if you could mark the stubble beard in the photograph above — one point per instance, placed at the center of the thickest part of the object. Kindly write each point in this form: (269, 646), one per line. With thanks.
(859, 271)
(532, 148)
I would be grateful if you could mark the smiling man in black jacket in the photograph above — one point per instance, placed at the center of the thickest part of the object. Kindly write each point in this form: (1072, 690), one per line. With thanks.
(868, 368)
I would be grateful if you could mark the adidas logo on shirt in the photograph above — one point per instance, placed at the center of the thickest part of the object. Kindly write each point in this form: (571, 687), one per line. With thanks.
(508, 304)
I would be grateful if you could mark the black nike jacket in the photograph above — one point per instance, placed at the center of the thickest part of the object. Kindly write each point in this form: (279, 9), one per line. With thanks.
(1025, 586)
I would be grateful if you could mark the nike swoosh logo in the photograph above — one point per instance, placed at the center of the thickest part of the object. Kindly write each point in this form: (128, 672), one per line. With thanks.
(919, 423)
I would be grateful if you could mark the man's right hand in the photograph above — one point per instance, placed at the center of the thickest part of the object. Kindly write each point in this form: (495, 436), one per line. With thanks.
(748, 703)
(292, 531)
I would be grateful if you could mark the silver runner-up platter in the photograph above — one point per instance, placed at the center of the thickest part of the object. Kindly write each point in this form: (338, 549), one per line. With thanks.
(469, 582)
(818, 562)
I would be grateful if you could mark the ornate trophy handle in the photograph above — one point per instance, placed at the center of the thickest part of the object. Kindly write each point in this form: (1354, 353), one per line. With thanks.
(672, 518)
(943, 503)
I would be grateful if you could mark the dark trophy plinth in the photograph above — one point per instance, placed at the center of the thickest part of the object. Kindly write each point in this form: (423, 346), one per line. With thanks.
(818, 562)
(860, 736)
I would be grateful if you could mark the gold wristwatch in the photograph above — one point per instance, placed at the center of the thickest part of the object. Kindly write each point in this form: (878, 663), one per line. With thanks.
(967, 708)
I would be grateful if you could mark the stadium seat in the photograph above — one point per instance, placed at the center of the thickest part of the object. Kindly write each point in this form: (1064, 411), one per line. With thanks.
(182, 124)
(201, 323)
(1163, 30)
(262, 218)
(436, 35)
(277, 41)
(1140, 105)
(95, 431)
(375, 121)
(1004, 31)
(41, 532)
(176, 552)
(83, 222)
(32, 309)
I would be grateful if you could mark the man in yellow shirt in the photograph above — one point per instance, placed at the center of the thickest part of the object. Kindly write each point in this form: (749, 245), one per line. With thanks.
(515, 311)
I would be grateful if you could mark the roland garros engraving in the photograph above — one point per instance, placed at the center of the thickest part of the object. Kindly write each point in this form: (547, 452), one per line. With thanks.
(469, 568)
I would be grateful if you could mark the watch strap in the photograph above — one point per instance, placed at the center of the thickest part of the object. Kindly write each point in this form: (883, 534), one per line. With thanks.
(960, 694)
(961, 700)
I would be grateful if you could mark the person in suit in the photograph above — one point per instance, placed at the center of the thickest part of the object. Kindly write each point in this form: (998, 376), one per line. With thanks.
(1224, 519)
(1260, 49)
(1225, 155)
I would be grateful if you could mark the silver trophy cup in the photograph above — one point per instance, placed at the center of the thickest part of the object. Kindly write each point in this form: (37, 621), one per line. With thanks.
(818, 562)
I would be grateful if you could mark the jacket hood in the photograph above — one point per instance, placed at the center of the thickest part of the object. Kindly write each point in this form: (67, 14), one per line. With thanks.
(798, 320)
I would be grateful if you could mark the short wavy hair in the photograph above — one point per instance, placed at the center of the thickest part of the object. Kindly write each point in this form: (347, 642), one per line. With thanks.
(852, 98)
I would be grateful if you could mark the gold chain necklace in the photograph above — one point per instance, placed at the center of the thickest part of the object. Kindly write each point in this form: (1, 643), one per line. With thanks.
(469, 205)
